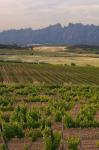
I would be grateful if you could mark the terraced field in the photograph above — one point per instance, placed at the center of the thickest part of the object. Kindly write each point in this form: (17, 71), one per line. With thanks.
(48, 74)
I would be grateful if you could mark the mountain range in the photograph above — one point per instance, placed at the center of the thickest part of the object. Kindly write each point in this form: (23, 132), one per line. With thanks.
(72, 34)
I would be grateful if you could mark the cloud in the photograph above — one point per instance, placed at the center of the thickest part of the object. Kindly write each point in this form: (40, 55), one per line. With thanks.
(40, 13)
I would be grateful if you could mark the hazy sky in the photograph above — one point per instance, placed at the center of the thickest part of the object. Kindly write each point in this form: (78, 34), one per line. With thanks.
(40, 13)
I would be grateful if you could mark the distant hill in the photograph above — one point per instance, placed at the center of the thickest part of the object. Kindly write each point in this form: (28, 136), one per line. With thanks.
(73, 34)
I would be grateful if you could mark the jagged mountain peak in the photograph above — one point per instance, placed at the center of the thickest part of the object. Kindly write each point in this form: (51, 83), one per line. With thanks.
(53, 34)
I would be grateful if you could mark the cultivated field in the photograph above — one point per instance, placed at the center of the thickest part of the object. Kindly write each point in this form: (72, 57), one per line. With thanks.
(36, 117)
(49, 98)
(53, 55)
(48, 74)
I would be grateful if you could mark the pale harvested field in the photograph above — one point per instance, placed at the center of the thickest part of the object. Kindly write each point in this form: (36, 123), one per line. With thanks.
(51, 55)
(82, 61)
(50, 49)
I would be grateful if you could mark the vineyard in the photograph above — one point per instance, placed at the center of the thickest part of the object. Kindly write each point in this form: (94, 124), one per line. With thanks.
(49, 107)
(39, 117)
(48, 74)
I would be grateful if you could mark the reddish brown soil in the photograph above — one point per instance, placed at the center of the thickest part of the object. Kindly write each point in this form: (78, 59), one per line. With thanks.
(18, 144)
(36, 104)
(75, 111)
(88, 137)
(97, 116)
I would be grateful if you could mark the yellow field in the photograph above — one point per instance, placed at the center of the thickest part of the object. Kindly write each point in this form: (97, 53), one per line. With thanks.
(53, 60)
(49, 49)
(54, 55)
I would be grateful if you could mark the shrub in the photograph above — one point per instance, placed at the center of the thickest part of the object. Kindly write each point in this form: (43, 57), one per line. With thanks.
(37, 99)
(97, 144)
(51, 140)
(58, 116)
(47, 139)
(73, 143)
(45, 122)
(11, 131)
(6, 108)
(68, 121)
(3, 91)
(57, 140)
(33, 119)
(35, 135)
(22, 91)
(6, 117)
(2, 147)
(32, 123)
(85, 117)
(73, 64)
(4, 101)
(19, 115)
(26, 147)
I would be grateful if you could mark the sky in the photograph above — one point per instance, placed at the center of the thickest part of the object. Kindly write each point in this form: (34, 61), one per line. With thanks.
(41, 13)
